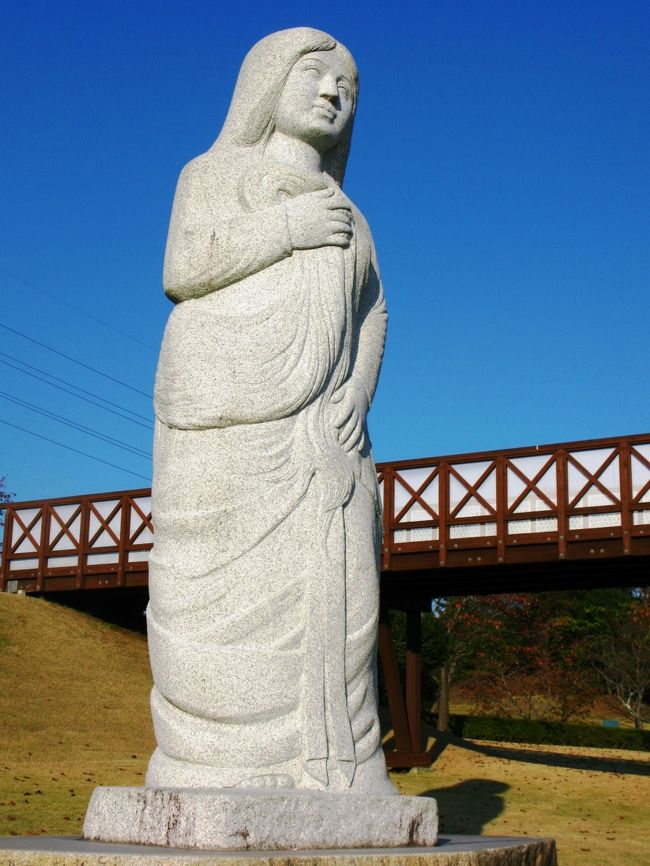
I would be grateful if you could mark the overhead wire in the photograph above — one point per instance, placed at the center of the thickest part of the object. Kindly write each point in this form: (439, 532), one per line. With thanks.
(79, 310)
(75, 360)
(76, 450)
(91, 397)
(89, 431)
(148, 425)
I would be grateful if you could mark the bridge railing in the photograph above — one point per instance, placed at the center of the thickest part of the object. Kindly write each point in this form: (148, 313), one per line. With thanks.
(78, 542)
(577, 500)
(573, 500)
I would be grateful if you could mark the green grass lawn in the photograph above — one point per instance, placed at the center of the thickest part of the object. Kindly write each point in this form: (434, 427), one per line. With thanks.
(74, 714)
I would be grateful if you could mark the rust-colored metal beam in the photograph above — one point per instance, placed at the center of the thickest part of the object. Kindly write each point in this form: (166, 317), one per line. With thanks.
(392, 679)
(414, 677)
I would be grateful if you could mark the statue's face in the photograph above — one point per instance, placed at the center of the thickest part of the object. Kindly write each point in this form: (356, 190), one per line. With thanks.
(317, 100)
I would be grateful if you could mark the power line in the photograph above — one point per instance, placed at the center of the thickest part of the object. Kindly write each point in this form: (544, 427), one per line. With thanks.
(75, 425)
(75, 361)
(77, 309)
(76, 387)
(147, 426)
(76, 450)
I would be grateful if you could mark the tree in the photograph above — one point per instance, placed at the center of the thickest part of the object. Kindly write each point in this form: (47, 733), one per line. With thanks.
(531, 659)
(457, 618)
(621, 657)
(5, 496)
(537, 656)
(506, 666)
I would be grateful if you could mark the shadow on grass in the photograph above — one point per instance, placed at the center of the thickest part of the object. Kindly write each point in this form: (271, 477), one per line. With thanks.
(468, 806)
(530, 755)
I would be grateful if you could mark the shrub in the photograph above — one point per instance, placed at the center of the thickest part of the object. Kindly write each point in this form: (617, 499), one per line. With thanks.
(545, 733)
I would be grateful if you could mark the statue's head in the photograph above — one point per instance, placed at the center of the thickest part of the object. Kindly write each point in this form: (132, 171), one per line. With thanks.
(303, 83)
(317, 100)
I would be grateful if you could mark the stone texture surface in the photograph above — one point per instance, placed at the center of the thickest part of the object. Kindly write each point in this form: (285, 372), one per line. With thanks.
(258, 820)
(451, 851)
(264, 582)
(264, 575)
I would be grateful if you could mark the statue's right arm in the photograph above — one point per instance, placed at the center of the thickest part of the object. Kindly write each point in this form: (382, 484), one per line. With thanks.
(205, 254)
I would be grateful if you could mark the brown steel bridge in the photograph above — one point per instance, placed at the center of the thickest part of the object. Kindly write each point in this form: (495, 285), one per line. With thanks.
(561, 516)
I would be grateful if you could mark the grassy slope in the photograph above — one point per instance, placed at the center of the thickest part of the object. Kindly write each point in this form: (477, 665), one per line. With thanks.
(74, 713)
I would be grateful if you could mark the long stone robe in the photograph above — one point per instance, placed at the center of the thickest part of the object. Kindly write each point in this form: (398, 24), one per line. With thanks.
(264, 573)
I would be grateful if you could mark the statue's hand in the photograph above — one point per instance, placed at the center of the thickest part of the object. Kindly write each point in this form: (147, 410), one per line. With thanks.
(351, 408)
(319, 219)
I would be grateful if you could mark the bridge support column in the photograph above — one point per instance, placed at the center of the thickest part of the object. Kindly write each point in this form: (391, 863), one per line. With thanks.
(414, 677)
(405, 714)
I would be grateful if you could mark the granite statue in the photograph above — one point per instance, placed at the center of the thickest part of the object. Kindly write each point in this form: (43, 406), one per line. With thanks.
(263, 578)
(264, 573)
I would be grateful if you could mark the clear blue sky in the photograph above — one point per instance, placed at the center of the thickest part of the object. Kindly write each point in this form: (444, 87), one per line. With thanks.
(501, 155)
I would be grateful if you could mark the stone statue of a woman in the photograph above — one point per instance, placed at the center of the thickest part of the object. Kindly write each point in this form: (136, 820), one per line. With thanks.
(264, 575)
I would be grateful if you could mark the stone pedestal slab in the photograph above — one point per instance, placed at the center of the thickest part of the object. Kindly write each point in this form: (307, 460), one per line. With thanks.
(450, 851)
(258, 820)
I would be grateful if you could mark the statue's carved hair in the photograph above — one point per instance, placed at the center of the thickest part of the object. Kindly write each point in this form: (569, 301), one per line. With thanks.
(261, 119)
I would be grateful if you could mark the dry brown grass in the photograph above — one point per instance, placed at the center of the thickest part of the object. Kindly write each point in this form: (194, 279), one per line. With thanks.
(74, 713)
(594, 802)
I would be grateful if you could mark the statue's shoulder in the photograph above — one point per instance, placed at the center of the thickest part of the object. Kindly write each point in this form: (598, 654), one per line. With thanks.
(199, 167)
(196, 182)
(359, 217)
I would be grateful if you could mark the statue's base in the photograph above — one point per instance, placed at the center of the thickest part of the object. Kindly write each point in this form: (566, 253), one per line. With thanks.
(450, 851)
(252, 819)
